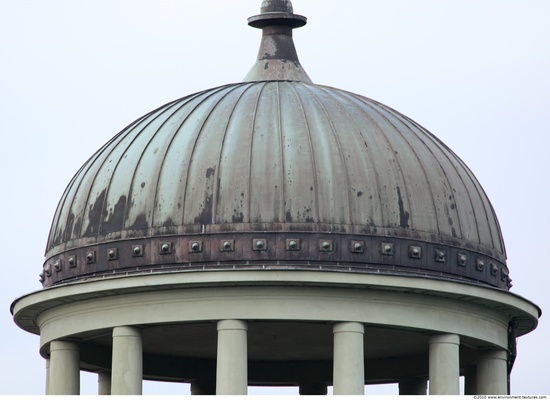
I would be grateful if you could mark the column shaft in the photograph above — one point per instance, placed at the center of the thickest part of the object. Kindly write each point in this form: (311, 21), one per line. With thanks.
(47, 376)
(64, 371)
(349, 360)
(104, 383)
(444, 365)
(470, 380)
(232, 361)
(492, 372)
(127, 365)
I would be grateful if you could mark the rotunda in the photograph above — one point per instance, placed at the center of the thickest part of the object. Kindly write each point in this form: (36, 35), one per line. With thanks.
(276, 232)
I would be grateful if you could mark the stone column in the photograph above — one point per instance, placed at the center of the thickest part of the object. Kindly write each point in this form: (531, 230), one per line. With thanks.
(349, 360)
(470, 380)
(47, 376)
(413, 387)
(232, 361)
(444, 365)
(313, 389)
(492, 372)
(64, 375)
(127, 365)
(104, 383)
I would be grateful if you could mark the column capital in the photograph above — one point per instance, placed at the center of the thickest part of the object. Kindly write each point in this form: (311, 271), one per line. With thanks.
(494, 354)
(449, 338)
(119, 331)
(355, 327)
(63, 345)
(232, 324)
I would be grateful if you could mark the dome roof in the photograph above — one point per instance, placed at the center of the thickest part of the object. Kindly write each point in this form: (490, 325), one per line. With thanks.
(273, 173)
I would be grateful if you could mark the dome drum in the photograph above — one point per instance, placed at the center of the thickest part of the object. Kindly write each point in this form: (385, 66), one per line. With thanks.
(266, 250)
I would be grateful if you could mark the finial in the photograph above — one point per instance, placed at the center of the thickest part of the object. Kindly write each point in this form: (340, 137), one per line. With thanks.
(284, 6)
(277, 57)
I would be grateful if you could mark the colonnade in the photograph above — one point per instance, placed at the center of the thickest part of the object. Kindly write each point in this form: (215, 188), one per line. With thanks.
(125, 377)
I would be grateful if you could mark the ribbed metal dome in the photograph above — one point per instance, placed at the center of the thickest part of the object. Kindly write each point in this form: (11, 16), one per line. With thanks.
(276, 173)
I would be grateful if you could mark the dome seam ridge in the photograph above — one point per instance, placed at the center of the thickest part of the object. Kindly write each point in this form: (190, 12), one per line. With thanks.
(312, 153)
(282, 190)
(251, 153)
(217, 182)
(182, 102)
(109, 148)
(167, 114)
(355, 101)
(416, 128)
(340, 151)
(223, 92)
(57, 219)
(439, 144)
(352, 99)
(159, 112)
(201, 98)
(223, 147)
(82, 171)
(399, 169)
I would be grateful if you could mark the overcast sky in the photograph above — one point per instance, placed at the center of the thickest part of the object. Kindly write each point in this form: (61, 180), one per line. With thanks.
(74, 73)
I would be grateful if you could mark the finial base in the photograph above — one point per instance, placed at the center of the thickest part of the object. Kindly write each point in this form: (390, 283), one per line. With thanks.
(277, 18)
(277, 58)
(277, 70)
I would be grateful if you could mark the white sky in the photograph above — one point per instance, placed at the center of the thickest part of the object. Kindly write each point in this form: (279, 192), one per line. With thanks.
(74, 73)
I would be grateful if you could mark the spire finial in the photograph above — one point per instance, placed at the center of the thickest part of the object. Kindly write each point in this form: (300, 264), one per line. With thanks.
(276, 6)
(277, 57)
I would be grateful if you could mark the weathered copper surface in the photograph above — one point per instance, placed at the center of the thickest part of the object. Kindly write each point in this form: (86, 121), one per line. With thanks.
(276, 160)
(275, 172)
(267, 251)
